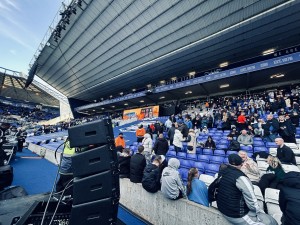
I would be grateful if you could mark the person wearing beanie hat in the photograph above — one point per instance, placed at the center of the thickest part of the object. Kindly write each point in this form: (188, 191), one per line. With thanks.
(236, 199)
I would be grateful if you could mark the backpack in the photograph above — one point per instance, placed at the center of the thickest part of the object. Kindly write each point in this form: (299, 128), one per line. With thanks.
(213, 189)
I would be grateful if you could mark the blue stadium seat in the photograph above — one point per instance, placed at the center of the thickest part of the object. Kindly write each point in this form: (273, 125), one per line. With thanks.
(204, 158)
(230, 152)
(184, 174)
(199, 165)
(184, 163)
(199, 150)
(171, 154)
(191, 157)
(222, 147)
(207, 151)
(212, 169)
(172, 148)
(223, 142)
(257, 143)
(257, 139)
(246, 148)
(218, 152)
(225, 160)
(216, 159)
(181, 155)
(260, 149)
(271, 145)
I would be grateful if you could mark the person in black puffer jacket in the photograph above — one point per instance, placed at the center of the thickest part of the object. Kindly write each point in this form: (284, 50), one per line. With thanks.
(124, 163)
(161, 145)
(152, 175)
(137, 166)
(289, 199)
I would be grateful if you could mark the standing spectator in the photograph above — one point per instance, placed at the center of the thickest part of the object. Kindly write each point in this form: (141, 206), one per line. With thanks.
(156, 130)
(183, 128)
(196, 189)
(289, 199)
(178, 139)
(120, 141)
(188, 122)
(295, 118)
(250, 168)
(171, 133)
(147, 143)
(168, 123)
(171, 183)
(192, 143)
(124, 163)
(236, 199)
(140, 132)
(137, 166)
(284, 153)
(241, 121)
(273, 176)
(245, 139)
(161, 145)
(152, 175)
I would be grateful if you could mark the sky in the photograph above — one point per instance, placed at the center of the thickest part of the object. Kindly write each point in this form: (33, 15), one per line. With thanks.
(23, 25)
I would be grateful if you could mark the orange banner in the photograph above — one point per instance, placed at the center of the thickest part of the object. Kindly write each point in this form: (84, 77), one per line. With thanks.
(141, 113)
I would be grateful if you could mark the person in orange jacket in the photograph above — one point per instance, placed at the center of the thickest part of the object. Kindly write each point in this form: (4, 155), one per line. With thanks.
(140, 132)
(120, 141)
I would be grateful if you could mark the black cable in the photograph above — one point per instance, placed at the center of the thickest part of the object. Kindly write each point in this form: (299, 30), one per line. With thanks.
(61, 196)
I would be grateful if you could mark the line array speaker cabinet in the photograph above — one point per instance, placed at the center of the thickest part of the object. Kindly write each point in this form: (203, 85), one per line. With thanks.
(96, 188)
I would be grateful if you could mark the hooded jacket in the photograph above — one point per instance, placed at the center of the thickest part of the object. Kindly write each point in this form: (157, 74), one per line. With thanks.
(147, 143)
(289, 198)
(171, 181)
(178, 139)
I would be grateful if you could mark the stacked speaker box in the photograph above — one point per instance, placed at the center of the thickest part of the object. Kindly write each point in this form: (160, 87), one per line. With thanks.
(96, 189)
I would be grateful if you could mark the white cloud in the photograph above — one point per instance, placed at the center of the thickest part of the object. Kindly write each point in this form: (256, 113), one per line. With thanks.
(13, 4)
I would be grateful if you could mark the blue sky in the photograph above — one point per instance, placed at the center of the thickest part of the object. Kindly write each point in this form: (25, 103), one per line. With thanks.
(23, 24)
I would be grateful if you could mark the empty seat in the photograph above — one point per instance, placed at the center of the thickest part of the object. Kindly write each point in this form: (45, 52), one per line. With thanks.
(218, 152)
(184, 173)
(199, 165)
(171, 154)
(204, 158)
(207, 179)
(230, 152)
(258, 143)
(216, 159)
(191, 157)
(184, 163)
(259, 196)
(271, 145)
(181, 155)
(223, 142)
(212, 169)
(271, 200)
(257, 139)
(246, 148)
(260, 149)
(199, 150)
(222, 146)
(289, 168)
(207, 151)
(171, 148)
(225, 160)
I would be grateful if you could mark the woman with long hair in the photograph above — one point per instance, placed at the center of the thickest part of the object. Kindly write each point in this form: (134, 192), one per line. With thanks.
(210, 143)
(196, 189)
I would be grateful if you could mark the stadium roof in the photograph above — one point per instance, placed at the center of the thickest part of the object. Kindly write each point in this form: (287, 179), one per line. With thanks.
(101, 48)
(12, 86)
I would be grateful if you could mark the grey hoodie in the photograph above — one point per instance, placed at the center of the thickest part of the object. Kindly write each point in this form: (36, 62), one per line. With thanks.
(171, 181)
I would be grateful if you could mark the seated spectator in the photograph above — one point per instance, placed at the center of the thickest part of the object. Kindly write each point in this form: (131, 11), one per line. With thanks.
(161, 145)
(196, 189)
(234, 145)
(171, 183)
(270, 128)
(192, 143)
(204, 130)
(137, 166)
(245, 139)
(289, 199)
(250, 168)
(236, 199)
(210, 143)
(284, 153)
(273, 176)
(152, 175)
(234, 133)
(124, 163)
(120, 141)
(147, 143)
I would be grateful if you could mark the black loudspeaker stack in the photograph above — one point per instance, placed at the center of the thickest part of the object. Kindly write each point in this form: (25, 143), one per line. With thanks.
(96, 188)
